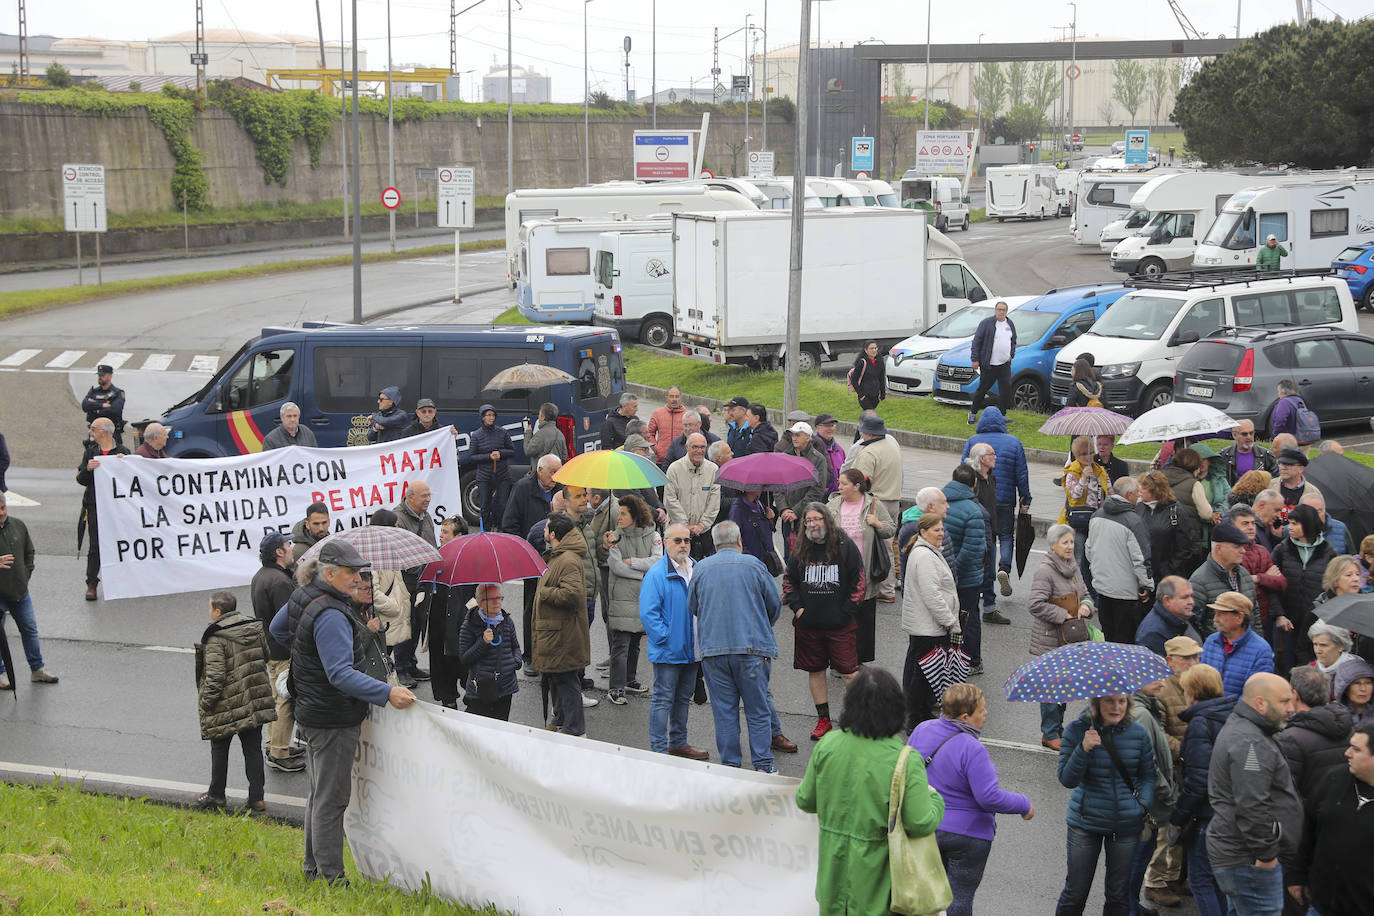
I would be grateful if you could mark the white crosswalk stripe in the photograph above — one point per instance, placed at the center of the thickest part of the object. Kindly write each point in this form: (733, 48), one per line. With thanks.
(19, 357)
(113, 359)
(64, 359)
(203, 363)
(157, 362)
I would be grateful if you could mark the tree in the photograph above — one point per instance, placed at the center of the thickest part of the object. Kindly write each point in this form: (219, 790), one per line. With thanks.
(896, 124)
(1018, 73)
(601, 99)
(1044, 85)
(1285, 97)
(57, 76)
(1107, 111)
(1128, 85)
(1023, 122)
(735, 147)
(989, 87)
(1161, 79)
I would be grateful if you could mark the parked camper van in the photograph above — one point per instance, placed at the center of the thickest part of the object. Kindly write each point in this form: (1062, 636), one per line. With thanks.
(554, 266)
(1103, 197)
(938, 193)
(634, 284)
(1022, 192)
(1315, 220)
(837, 192)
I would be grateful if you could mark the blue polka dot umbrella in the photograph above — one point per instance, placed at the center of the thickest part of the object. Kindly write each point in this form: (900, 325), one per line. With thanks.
(1081, 670)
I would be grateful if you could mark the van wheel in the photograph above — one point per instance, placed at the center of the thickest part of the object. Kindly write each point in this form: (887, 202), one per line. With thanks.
(1041, 217)
(467, 485)
(1367, 300)
(1028, 393)
(1151, 269)
(657, 332)
(1001, 219)
(941, 223)
(1157, 395)
(968, 218)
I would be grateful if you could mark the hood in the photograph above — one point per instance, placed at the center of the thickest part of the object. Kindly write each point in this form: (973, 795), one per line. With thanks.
(1218, 709)
(1349, 671)
(1332, 721)
(956, 490)
(1117, 505)
(483, 409)
(992, 421)
(573, 542)
(394, 393)
(238, 629)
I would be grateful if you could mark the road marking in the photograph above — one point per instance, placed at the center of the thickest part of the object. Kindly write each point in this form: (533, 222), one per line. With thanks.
(203, 363)
(65, 359)
(180, 649)
(67, 774)
(14, 499)
(19, 357)
(157, 362)
(1018, 746)
(114, 359)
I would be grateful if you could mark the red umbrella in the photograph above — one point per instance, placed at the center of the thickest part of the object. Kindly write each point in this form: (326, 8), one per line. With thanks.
(484, 557)
(771, 471)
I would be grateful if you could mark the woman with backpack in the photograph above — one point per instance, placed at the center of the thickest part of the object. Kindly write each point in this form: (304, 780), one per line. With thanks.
(1174, 538)
(868, 377)
(1086, 390)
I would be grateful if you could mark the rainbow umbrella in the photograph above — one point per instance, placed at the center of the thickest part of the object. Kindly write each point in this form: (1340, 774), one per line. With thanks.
(611, 470)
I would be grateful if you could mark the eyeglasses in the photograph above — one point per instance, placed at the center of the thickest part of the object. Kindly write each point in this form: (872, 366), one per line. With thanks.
(815, 521)
(679, 540)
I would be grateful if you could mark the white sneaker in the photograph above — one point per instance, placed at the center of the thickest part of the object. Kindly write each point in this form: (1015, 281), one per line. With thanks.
(4, 682)
(1004, 580)
(589, 702)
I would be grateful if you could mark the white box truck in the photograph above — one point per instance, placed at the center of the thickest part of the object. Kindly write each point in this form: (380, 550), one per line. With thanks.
(867, 274)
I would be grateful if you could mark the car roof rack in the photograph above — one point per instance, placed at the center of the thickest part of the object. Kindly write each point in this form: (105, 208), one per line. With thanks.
(1221, 276)
(1090, 289)
(1261, 331)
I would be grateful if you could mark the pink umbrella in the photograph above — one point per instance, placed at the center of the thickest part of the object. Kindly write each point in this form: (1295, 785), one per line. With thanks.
(1086, 421)
(774, 472)
(484, 557)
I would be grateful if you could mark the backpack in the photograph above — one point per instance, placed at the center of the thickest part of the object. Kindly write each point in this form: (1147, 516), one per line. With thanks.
(1307, 428)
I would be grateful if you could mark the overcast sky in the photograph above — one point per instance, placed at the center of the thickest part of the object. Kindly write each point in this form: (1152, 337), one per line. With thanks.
(548, 33)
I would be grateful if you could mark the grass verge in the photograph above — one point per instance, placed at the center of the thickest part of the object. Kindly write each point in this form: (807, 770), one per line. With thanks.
(63, 851)
(978, 215)
(511, 316)
(823, 395)
(32, 300)
(1161, 140)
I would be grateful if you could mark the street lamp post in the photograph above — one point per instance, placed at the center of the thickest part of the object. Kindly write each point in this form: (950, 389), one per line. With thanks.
(586, 102)
(977, 96)
(653, 61)
(927, 98)
(1073, 44)
(747, 92)
(510, 106)
(764, 77)
(357, 191)
(791, 386)
(390, 135)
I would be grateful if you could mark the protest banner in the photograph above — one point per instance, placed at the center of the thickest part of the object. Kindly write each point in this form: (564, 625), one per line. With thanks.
(172, 525)
(483, 811)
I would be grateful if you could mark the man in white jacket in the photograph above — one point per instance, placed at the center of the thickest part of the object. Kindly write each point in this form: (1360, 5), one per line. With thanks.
(692, 496)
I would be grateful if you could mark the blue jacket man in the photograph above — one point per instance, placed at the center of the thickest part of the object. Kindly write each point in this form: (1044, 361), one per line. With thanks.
(1234, 649)
(671, 634)
(1013, 479)
(964, 527)
(1163, 622)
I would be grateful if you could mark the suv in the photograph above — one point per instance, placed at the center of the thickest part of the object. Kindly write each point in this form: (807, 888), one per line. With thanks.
(1236, 370)
(1355, 265)
(911, 363)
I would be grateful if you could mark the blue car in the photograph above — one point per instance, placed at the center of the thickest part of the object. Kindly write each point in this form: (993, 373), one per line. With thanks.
(1043, 326)
(1355, 265)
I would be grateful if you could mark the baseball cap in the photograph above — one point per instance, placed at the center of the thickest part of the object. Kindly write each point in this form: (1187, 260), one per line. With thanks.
(1292, 456)
(273, 541)
(825, 419)
(1272, 238)
(1227, 533)
(339, 552)
(799, 416)
(802, 428)
(1182, 646)
(104, 369)
(424, 402)
(737, 402)
(635, 441)
(1232, 601)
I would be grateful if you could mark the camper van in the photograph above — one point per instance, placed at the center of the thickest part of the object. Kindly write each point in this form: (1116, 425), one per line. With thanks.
(1315, 220)
(1022, 192)
(554, 263)
(1183, 208)
(634, 284)
(779, 193)
(1103, 197)
(838, 192)
(882, 191)
(939, 193)
(612, 200)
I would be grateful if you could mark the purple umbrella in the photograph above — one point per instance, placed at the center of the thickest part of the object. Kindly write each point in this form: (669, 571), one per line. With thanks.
(1086, 421)
(770, 471)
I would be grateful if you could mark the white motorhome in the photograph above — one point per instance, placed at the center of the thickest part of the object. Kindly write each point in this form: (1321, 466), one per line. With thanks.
(1103, 197)
(1183, 207)
(611, 200)
(938, 194)
(1315, 220)
(779, 193)
(554, 262)
(869, 273)
(1022, 192)
(839, 192)
(881, 191)
(634, 284)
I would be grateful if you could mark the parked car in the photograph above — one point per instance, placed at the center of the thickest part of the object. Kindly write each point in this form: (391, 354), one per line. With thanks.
(911, 363)
(1355, 265)
(1236, 370)
(1043, 326)
(1119, 148)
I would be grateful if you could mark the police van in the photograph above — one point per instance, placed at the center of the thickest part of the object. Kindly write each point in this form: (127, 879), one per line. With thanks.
(334, 372)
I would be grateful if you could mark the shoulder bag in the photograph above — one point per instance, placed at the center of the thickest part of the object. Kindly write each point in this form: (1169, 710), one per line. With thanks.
(1075, 629)
(880, 563)
(919, 884)
(1150, 828)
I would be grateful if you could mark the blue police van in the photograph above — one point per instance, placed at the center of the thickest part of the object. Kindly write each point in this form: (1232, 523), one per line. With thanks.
(334, 372)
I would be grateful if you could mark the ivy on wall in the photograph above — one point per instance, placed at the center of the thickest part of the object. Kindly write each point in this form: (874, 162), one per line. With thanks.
(275, 120)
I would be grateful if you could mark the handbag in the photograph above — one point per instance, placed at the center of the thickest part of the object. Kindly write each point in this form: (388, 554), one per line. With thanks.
(1078, 516)
(772, 562)
(1149, 828)
(880, 564)
(919, 884)
(1075, 629)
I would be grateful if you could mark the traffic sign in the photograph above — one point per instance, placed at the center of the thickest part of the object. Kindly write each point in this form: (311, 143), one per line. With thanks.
(1073, 71)
(659, 155)
(391, 198)
(83, 198)
(200, 60)
(861, 154)
(1137, 147)
(942, 152)
(456, 205)
(761, 164)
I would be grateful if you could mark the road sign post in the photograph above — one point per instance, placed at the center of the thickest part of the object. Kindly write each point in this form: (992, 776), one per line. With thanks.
(1137, 147)
(83, 207)
(761, 163)
(942, 152)
(456, 210)
(861, 154)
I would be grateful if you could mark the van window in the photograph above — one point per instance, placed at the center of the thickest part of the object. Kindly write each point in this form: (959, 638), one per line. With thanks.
(605, 265)
(1316, 354)
(347, 379)
(527, 215)
(567, 262)
(952, 281)
(1105, 194)
(1138, 317)
(263, 378)
(1221, 203)
(1275, 224)
(1264, 309)
(1330, 222)
(1077, 325)
(1204, 318)
(455, 376)
(1319, 306)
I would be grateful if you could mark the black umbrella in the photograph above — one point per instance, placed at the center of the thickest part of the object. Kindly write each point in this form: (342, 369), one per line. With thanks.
(1350, 612)
(1349, 490)
(8, 659)
(1025, 537)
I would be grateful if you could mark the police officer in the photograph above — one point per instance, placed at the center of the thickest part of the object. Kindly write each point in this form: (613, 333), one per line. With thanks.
(105, 399)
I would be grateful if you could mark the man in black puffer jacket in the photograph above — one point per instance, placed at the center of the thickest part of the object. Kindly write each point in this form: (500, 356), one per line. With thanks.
(1318, 732)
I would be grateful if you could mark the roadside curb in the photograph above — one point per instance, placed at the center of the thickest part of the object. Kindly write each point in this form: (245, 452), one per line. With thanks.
(397, 309)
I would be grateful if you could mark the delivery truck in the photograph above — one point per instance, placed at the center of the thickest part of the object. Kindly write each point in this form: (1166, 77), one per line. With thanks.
(868, 274)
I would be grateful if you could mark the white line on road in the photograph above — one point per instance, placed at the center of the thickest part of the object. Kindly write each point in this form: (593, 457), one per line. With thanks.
(65, 359)
(202, 363)
(1010, 745)
(180, 649)
(142, 782)
(19, 357)
(113, 359)
(157, 362)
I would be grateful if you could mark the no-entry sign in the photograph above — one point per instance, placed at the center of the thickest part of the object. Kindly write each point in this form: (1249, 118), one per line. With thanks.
(391, 198)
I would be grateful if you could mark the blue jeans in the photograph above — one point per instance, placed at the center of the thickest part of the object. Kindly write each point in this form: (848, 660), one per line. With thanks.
(1251, 890)
(732, 680)
(1144, 852)
(972, 622)
(1052, 720)
(673, 685)
(491, 502)
(965, 857)
(1084, 847)
(999, 554)
(1210, 901)
(22, 612)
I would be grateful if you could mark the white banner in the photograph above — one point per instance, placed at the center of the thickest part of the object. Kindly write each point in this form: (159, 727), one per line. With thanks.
(541, 823)
(172, 525)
